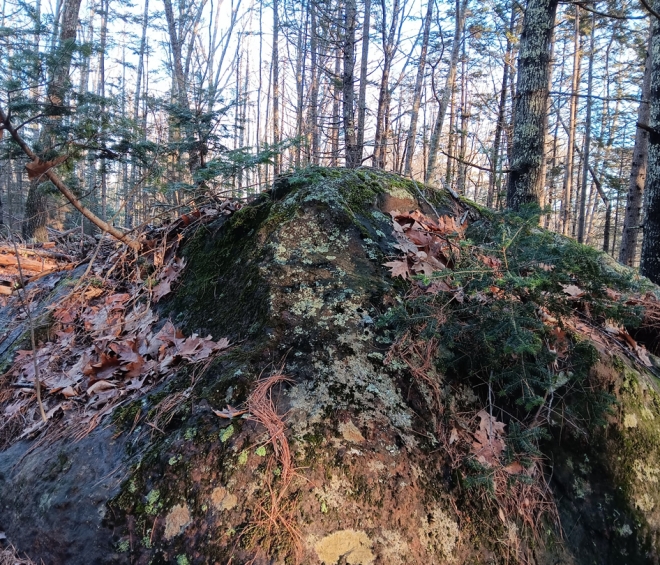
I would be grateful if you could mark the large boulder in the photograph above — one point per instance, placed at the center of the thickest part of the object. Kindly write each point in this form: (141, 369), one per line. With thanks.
(312, 442)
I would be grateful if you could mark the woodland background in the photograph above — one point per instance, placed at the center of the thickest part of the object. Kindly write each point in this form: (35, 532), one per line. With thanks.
(156, 105)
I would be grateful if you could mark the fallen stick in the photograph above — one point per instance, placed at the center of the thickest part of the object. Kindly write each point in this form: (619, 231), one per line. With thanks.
(27, 264)
(27, 252)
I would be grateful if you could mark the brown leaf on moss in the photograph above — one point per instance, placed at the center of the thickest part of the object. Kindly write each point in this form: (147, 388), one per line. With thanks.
(399, 268)
(489, 439)
(229, 412)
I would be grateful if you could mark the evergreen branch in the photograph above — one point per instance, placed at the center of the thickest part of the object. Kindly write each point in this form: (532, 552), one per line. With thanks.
(64, 189)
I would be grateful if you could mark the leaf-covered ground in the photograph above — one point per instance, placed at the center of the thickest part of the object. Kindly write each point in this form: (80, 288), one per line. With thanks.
(104, 344)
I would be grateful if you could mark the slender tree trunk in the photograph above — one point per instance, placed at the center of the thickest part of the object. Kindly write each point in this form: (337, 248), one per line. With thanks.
(259, 89)
(499, 126)
(352, 150)
(443, 102)
(617, 207)
(334, 142)
(544, 161)
(382, 125)
(462, 169)
(362, 96)
(633, 215)
(105, 5)
(587, 137)
(177, 55)
(130, 205)
(276, 88)
(312, 115)
(36, 205)
(531, 116)
(501, 194)
(124, 106)
(553, 166)
(451, 144)
(180, 83)
(301, 56)
(570, 148)
(417, 93)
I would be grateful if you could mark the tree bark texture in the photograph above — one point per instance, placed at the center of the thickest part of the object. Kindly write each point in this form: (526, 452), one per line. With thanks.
(650, 259)
(382, 114)
(587, 138)
(364, 69)
(526, 178)
(417, 94)
(633, 216)
(352, 150)
(443, 102)
(499, 126)
(36, 205)
(570, 149)
(276, 87)
(312, 113)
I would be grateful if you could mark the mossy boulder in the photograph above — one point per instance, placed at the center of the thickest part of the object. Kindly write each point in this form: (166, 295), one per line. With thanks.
(296, 281)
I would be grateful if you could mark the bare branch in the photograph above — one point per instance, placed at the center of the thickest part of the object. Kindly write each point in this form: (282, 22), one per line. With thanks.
(649, 9)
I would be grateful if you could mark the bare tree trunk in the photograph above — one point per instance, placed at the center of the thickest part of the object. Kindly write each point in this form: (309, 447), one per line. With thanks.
(243, 117)
(499, 126)
(380, 138)
(334, 142)
(301, 57)
(451, 144)
(36, 205)
(352, 150)
(553, 166)
(531, 116)
(177, 55)
(130, 204)
(501, 194)
(633, 215)
(362, 96)
(587, 136)
(259, 88)
(105, 5)
(180, 82)
(276, 88)
(312, 115)
(431, 166)
(650, 260)
(417, 93)
(462, 169)
(570, 149)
